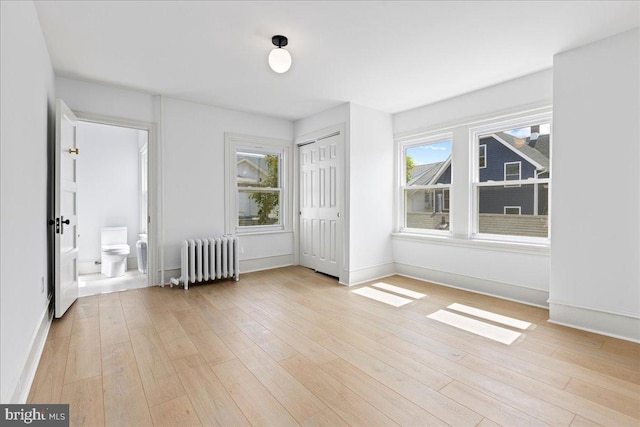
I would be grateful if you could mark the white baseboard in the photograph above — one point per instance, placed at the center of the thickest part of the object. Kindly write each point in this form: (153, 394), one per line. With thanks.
(265, 263)
(39, 338)
(617, 325)
(367, 274)
(507, 291)
(246, 265)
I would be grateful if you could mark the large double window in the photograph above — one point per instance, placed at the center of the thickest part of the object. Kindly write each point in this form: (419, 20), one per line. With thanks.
(257, 184)
(502, 196)
(426, 184)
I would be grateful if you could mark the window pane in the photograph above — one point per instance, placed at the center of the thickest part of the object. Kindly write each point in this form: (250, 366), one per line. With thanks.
(529, 145)
(257, 169)
(258, 207)
(428, 164)
(516, 211)
(427, 209)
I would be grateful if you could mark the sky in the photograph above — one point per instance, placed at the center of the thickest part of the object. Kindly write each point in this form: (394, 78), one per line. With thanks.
(429, 153)
(439, 151)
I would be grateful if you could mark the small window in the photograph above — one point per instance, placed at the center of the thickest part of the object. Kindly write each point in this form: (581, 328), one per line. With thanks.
(258, 183)
(512, 171)
(482, 156)
(257, 198)
(512, 210)
(427, 183)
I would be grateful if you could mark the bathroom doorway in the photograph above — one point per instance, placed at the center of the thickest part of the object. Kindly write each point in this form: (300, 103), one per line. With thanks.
(112, 205)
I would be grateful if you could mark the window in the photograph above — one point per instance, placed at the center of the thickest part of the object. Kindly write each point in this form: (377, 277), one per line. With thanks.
(512, 172)
(257, 196)
(511, 195)
(426, 185)
(482, 156)
(512, 210)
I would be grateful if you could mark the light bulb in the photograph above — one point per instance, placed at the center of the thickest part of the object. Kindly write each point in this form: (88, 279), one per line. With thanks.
(280, 60)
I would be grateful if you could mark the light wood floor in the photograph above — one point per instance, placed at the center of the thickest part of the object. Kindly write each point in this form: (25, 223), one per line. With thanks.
(292, 347)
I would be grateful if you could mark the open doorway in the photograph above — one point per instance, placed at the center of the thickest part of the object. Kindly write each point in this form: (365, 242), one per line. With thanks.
(112, 198)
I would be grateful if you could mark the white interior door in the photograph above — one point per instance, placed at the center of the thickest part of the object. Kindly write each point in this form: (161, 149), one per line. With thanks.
(65, 209)
(320, 199)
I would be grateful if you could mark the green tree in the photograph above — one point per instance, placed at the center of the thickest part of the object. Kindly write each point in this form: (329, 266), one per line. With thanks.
(410, 165)
(268, 202)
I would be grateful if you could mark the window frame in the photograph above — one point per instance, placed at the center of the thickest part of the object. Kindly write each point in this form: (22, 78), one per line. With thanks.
(403, 188)
(489, 127)
(259, 145)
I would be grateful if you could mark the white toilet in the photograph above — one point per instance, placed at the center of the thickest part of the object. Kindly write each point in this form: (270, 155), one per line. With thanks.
(115, 249)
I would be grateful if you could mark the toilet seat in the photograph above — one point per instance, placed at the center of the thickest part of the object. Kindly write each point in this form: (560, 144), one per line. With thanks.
(116, 249)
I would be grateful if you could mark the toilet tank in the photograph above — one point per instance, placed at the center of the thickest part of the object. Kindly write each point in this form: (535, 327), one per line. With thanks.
(113, 236)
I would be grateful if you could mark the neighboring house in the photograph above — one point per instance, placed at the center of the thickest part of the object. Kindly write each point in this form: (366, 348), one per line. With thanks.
(504, 157)
(432, 201)
(248, 174)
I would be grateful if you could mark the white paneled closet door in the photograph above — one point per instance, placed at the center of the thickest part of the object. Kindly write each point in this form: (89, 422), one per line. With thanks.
(320, 199)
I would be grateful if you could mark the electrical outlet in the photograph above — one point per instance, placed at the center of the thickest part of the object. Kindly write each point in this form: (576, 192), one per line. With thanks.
(42, 285)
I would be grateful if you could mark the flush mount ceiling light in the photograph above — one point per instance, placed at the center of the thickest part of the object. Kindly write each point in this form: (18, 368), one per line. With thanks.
(279, 58)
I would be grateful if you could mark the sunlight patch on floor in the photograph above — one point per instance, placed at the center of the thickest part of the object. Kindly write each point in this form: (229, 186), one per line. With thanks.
(497, 318)
(384, 297)
(496, 333)
(398, 290)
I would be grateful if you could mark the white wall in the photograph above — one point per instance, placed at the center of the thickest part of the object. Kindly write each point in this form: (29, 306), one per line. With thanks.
(107, 186)
(194, 173)
(192, 169)
(507, 271)
(371, 172)
(26, 114)
(595, 256)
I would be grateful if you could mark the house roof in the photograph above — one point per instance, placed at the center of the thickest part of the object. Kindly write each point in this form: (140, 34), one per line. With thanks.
(425, 174)
(539, 153)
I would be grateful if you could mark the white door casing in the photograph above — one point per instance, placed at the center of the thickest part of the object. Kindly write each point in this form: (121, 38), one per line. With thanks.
(320, 203)
(65, 209)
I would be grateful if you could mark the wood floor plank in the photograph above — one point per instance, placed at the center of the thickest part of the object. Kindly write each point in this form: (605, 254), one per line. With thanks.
(393, 405)
(211, 401)
(49, 379)
(113, 326)
(559, 398)
(489, 407)
(325, 418)
(595, 364)
(408, 387)
(292, 395)
(124, 398)
(85, 399)
(134, 310)
(176, 412)
(176, 342)
(347, 404)
(253, 399)
(83, 360)
(208, 344)
(159, 378)
(621, 403)
(86, 326)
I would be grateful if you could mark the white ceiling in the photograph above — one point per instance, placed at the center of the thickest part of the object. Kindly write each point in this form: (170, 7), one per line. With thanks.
(387, 55)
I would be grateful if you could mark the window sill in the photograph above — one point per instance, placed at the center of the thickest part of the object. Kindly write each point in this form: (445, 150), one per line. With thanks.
(261, 232)
(476, 243)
